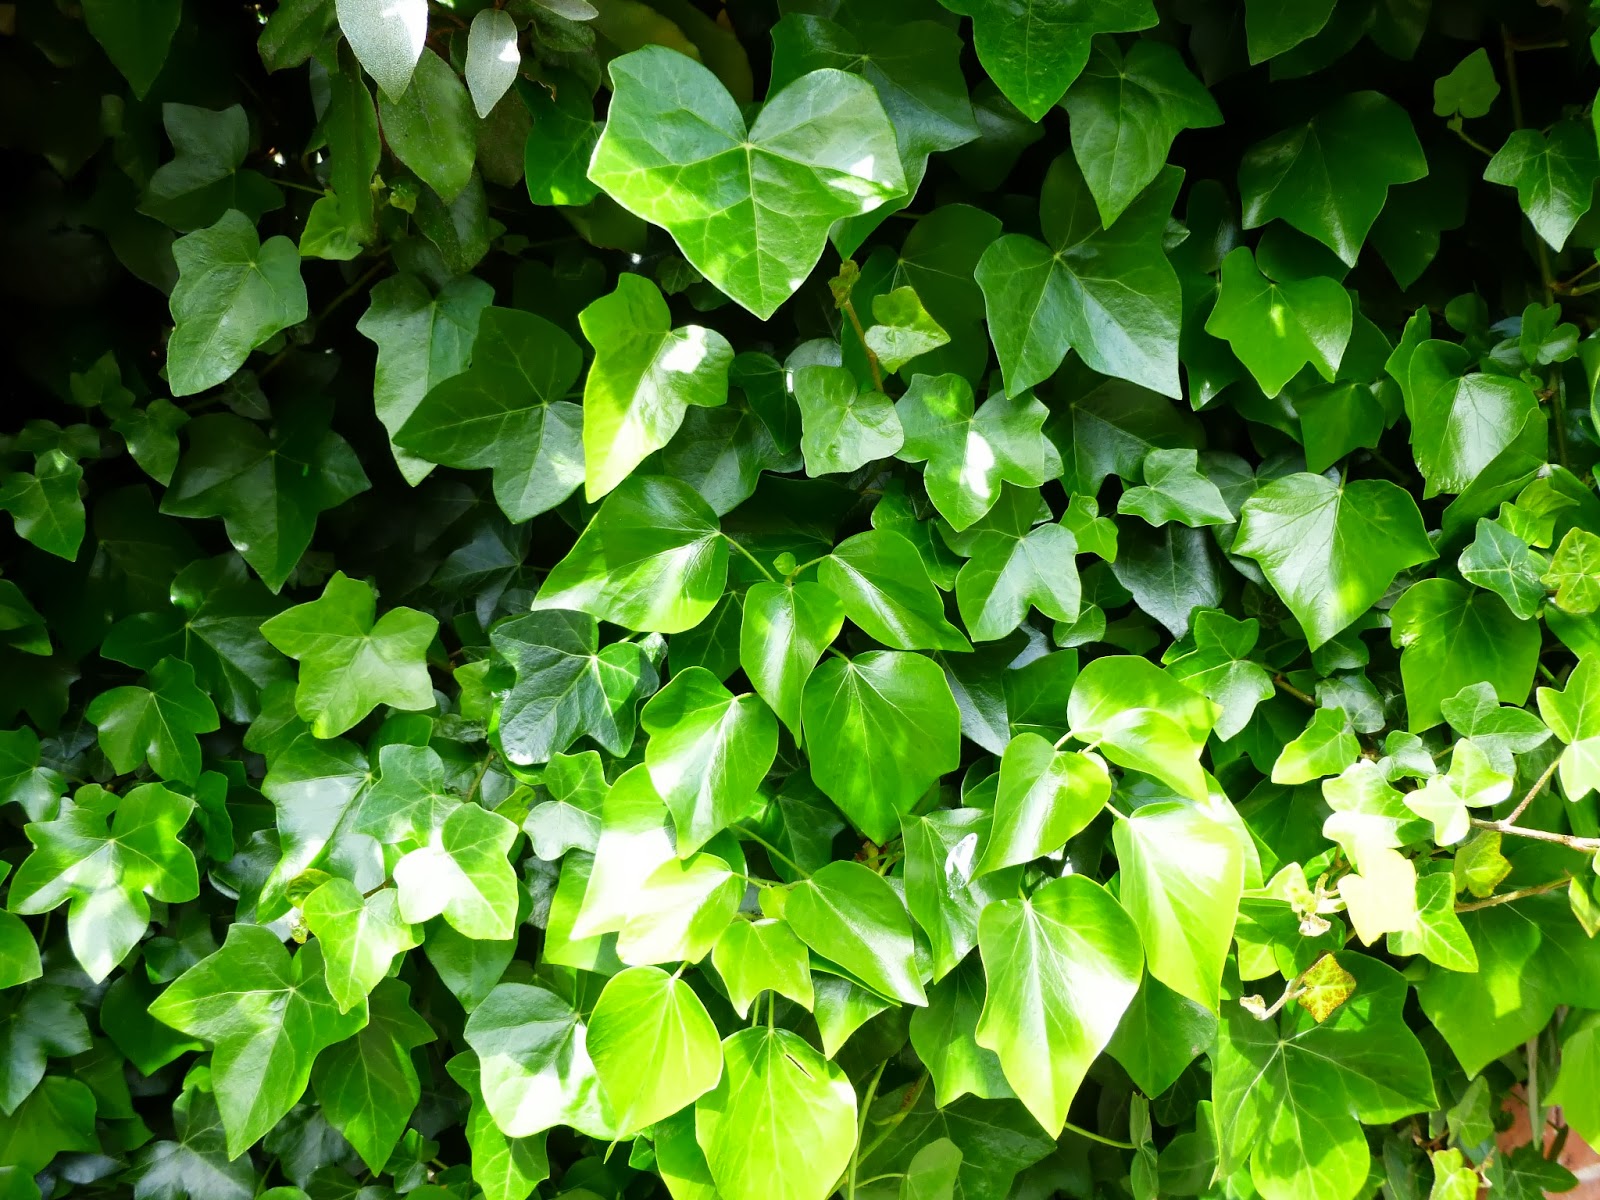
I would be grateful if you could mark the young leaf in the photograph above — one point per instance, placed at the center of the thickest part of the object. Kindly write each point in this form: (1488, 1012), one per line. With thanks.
(1046, 796)
(654, 1047)
(851, 916)
(1143, 719)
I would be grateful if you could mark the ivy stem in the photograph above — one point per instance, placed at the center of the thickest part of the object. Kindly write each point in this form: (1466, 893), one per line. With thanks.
(1537, 889)
(1097, 1137)
(1546, 278)
(790, 578)
(1535, 1116)
(772, 850)
(1538, 786)
(861, 1129)
(1470, 140)
(1540, 835)
(1291, 991)
(847, 306)
(1289, 689)
(735, 544)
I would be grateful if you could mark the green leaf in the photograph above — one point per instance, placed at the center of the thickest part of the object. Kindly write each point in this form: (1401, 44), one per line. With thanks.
(644, 377)
(1218, 667)
(367, 1085)
(785, 631)
(108, 877)
(422, 339)
(760, 956)
(1573, 714)
(943, 1036)
(1273, 27)
(782, 1121)
(566, 686)
(1034, 49)
(1015, 565)
(507, 412)
(1110, 294)
(560, 144)
(492, 58)
(680, 910)
(267, 487)
(46, 505)
(997, 1140)
(1182, 874)
(1469, 89)
(1577, 1086)
(884, 587)
(1126, 112)
(653, 559)
(903, 331)
(1454, 636)
(1160, 1035)
(708, 752)
(430, 125)
(38, 1023)
(293, 32)
(933, 1173)
(203, 180)
(505, 1168)
(1046, 797)
(1439, 935)
(1575, 573)
(970, 453)
(1175, 490)
(387, 36)
(408, 802)
(1062, 966)
(349, 662)
(534, 1068)
(233, 293)
(653, 1044)
(844, 425)
(820, 150)
(135, 36)
(1276, 328)
(1143, 719)
(851, 916)
(881, 729)
(1462, 425)
(267, 1016)
(463, 873)
(1504, 564)
(942, 892)
(1363, 140)
(1331, 550)
(197, 1163)
(360, 937)
(1325, 747)
(157, 724)
(1554, 174)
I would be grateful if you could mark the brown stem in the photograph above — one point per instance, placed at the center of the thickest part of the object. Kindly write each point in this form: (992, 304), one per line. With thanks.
(1538, 786)
(1537, 889)
(847, 306)
(1586, 845)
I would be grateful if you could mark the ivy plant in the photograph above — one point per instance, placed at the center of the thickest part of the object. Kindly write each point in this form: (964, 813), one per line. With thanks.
(770, 599)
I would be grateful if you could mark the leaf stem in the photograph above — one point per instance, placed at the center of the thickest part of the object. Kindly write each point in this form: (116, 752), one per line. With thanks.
(1535, 1116)
(771, 578)
(772, 850)
(1537, 889)
(1539, 835)
(861, 1129)
(1096, 1137)
(847, 306)
(1290, 690)
(1538, 786)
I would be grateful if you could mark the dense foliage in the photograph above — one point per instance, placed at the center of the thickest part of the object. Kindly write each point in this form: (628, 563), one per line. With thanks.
(1019, 616)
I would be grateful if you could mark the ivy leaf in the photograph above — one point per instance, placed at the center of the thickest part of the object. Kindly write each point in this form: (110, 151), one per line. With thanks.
(1160, 1035)
(570, 817)
(1454, 636)
(1175, 490)
(1326, 746)
(903, 329)
(1110, 294)
(654, 1047)
(1109, 428)
(36, 1024)
(1034, 49)
(1143, 719)
(1472, 782)
(558, 149)
(1554, 174)
(156, 723)
(492, 58)
(1273, 27)
(46, 505)
(1331, 550)
(566, 686)
(1219, 668)
(781, 1123)
(349, 663)
(1045, 797)
(881, 728)
(106, 876)
(387, 36)
(197, 1163)
(943, 1035)
(1573, 714)
(506, 1168)
(1575, 573)
(360, 937)
(880, 579)
(708, 752)
(785, 631)
(653, 559)
(971, 452)
(1276, 328)
(507, 412)
(996, 1138)
(844, 426)
(1501, 733)
(851, 916)
(534, 1068)
(367, 1085)
(1461, 425)
(408, 802)
(820, 150)
(1182, 874)
(267, 487)
(759, 956)
(203, 180)
(463, 872)
(233, 293)
(1062, 966)
(644, 377)
(943, 894)
(135, 37)
(1364, 140)
(1504, 564)
(267, 1016)
(1015, 565)
(430, 125)
(1126, 112)
(1468, 89)
(422, 339)
(1439, 935)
